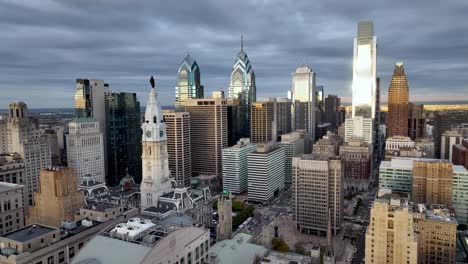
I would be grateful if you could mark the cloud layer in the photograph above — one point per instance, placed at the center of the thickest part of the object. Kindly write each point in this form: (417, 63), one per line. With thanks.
(47, 44)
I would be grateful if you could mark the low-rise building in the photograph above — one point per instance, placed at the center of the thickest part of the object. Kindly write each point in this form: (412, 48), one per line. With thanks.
(100, 212)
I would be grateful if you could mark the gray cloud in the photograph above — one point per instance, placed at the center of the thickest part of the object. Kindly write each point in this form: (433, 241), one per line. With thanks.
(47, 44)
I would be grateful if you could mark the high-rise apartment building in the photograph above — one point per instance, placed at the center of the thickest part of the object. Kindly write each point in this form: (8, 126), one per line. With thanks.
(12, 211)
(447, 141)
(460, 153)
(390, 236)
(432, 182)
(21, 135)
(357, 158)
(208, 134)
(179, 146)
(123, 120)
(242, 86)
(332, 110)
(282, 115)
(293, 145)
(265, 168)
(416, 121)
(189, 83)
(235, 166)
(398, 99)
(57, 199)
(437, 235)
(316, 188)
(155, 157)
(263, 123)
(460, 193)
(225, 217)
(303, 100)
(85, 149)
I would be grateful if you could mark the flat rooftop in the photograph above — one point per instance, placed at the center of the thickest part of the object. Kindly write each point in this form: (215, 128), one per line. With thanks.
(102, 207)
(5, 186)
(29, 232)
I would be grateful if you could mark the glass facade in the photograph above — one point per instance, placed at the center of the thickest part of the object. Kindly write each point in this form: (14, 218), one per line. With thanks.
(188, 85)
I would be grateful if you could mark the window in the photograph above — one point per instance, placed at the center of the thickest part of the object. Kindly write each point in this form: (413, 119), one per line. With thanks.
(61, 257)
(80, 245)
(42, 240)
(71, 252)
(50, 260)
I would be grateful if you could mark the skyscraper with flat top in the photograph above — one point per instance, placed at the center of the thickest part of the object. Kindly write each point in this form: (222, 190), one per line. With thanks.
(242, 87)
(188, 85)
(263, 123)
(303, 100)
(398, 97)
(432, 182)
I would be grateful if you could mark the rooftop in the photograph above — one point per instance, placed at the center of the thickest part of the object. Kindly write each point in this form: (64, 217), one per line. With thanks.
(29, 232)
(5, 186)
(83, 120)
(102, 207)
(236, 250)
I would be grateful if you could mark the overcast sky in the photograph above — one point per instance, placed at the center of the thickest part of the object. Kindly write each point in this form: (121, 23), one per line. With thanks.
(45, 45)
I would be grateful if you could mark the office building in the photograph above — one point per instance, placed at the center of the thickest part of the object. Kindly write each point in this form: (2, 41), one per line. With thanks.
(432, 182)
(426, 145)
(263, 123)
(390, 236)
(242, 86)
(233, 120)
(329, 144)
(58, 198)
(396, 174)
(398, 98)
(438, 235)
(155, 158)
(357, 158)
(398, 142)
(359, 127)
(12, 211)
(460, 153)
(21, 135)
(265, 172)
(332, 110)
(235, 166)
(12, 169)
(316, 188)
(208, 134)
(447, 120)
(178, 146)
(447, 141)
(293, 145)
(416, 121)
(460, 193)
(52, 136)
(85, 149)
(364, 87)
(303, 100)
(189, 83)
(225, 216)
(282, 115)
(123, 120)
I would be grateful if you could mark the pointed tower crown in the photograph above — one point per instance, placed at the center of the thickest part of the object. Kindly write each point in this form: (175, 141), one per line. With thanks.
(153, 113)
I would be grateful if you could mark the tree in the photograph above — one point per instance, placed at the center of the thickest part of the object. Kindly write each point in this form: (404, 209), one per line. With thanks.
(237, 205)
(278, 244)
(215, 204)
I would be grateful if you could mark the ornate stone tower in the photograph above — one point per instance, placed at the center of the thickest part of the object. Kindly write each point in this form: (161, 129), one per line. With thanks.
(154, 157)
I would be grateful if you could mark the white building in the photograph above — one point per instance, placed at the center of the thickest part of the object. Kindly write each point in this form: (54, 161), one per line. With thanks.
(265, 172)
(85, 149)
(155, 159)
(359, 127)
(293, 145)
(235, 166)
(397, 142)
(303, 100)
(20, 135)
(396, 175)
(460, 193)
(448, 139)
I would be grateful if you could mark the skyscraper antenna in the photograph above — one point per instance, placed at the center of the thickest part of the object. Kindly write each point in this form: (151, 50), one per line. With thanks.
(242, 42)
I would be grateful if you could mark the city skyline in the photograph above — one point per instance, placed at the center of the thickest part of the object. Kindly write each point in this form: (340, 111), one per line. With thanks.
(47, 46)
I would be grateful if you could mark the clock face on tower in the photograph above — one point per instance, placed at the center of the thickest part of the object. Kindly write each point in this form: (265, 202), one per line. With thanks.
(148, 133)
(161, 133)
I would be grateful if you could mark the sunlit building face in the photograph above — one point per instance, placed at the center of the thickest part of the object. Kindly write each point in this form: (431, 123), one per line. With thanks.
(303, 99)
(364, 71)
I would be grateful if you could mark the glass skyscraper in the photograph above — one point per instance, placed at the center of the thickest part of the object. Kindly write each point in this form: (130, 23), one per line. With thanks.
(303, 100)
(188, 85)
(242, 87)
(123, 137)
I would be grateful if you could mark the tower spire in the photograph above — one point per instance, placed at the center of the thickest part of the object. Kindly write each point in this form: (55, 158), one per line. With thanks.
(242, 42)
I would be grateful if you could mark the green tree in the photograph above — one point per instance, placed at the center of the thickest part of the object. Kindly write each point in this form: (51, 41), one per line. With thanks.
(237, 205)
(278, 244)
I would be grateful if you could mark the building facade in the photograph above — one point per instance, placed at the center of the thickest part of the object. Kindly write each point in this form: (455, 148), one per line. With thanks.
(360, 127)
(208, 134)
(242, 86)
(293, 145)
(265, 169)
(460, 153)
(432, 182)
(398, 99)
(85, 149)
(263, 123)
(123, 132)
(303, 100)
(396, 174)
(282, 115)
(12, 169)
(416, 121)
(316, 188)
(357, 158)
(58, 198)
(11, 207)
(225, 217)
(447, 141)
(179, 146)
(189, 82)
(332, 110)
(235, 167)
(460, 193)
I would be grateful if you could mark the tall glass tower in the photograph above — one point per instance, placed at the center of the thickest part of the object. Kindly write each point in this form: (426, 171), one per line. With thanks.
(303, 100)
(188, 85)
(242, 87)
(364, 71)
